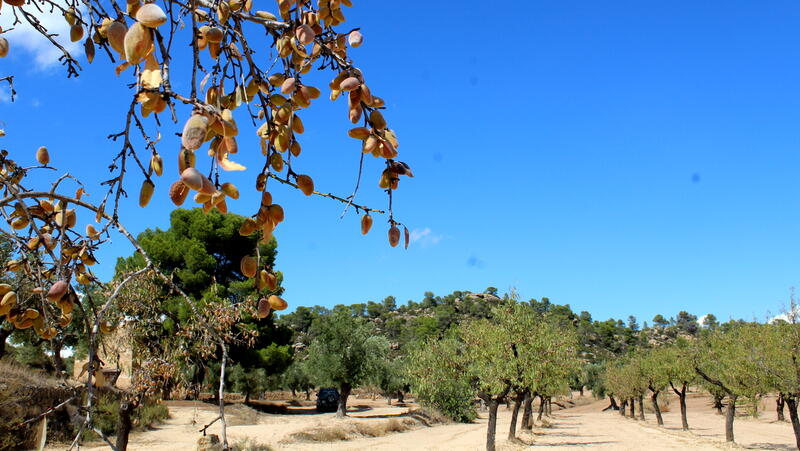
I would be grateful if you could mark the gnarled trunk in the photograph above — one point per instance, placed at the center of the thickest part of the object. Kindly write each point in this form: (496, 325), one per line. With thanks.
(641, 407)
(623, 407)
(682, 399)
(344, 393)
(527, 412)
(779, 404)
(401, 397)
(541, 408)
(124, 423)
(730, 415)
(512, 430)
(791, 403)
(654, 398)
(612, 404)
(492, 426)
(633, 408)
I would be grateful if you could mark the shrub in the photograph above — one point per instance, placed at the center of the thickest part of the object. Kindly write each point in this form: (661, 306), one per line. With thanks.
(440, 380)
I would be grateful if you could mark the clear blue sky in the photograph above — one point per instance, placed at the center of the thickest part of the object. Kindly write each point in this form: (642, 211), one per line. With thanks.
(623, 157)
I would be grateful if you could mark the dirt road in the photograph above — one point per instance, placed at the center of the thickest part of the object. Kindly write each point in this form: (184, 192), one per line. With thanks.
(585, 427)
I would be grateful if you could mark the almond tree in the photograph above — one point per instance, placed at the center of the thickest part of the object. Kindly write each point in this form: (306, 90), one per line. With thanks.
(679, 372)
(654, 365)
(781, 363)
(732, 361)
(256, 62)
(514, 351)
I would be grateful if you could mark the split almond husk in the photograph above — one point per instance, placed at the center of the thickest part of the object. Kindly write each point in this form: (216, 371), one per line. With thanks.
(194, 132)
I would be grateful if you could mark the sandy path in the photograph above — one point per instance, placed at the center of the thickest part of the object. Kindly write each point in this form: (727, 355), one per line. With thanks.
(585, 427)
(574, 430)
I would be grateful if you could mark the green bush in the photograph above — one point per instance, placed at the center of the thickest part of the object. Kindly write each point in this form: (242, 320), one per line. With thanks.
(439, 378)
(146, 415)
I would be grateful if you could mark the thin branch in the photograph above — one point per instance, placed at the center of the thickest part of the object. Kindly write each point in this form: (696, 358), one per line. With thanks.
(328, 195)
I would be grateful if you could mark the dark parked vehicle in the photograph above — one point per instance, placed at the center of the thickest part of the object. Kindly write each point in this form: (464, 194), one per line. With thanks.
(327, 400)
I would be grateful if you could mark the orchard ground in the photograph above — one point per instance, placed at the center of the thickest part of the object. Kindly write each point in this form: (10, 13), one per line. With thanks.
(582, 426)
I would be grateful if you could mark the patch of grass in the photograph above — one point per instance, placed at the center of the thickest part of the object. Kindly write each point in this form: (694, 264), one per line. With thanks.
(329, 434)
(250, 444)
(429, 416)
(356, 428)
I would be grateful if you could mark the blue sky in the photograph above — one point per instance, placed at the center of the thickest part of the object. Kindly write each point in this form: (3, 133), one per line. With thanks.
(625, 157)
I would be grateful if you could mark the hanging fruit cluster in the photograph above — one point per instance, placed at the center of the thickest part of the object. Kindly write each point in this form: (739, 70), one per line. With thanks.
(228, 71)
(50, 252)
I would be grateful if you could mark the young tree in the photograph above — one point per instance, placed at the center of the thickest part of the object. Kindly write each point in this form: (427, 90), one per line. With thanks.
(679, 372)
(731, 360)
(344, 352)
(654, 365)
(781, 363)
(248, 381)
(438, 371)
(296, 378)
(491, 357)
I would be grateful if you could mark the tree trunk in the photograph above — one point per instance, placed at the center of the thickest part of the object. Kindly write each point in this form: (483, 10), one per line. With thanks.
(633, 408)
(166, 389)
(641, 407)
(494, 403)
(58, 361)
(294, 393)
(623, 407)
(549, 407)
(401, 397)
(682, 399)
(124, 423)
(581, 390)
(512, 430)
(657, 409)
(730, 415)
(247, 397)
(344, 393)
(718, 404)
(527, 412)
(541, 408)
(779, 407)
(791, 402)
(4, 334)
(612, 404)
(308, 394)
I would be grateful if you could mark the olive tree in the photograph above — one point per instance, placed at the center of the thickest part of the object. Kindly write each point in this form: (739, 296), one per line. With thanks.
(345, 352)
